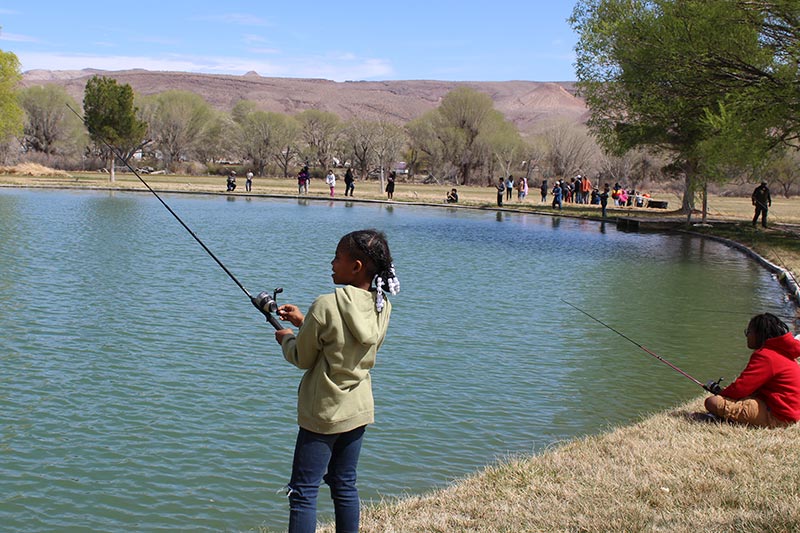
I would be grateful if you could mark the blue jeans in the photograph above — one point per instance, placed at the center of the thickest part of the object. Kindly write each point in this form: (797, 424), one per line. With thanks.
(332, 458)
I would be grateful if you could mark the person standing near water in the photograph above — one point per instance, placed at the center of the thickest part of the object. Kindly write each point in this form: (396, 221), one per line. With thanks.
(248, 182)
(330, 179)
(767, 392)
(501, 187)
(390, 185)
(604, 198)
(336, 346)
(348, 182)
(557, 192)
(762, 201)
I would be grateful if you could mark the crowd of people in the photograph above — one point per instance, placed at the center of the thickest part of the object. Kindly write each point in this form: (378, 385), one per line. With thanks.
(579, 190)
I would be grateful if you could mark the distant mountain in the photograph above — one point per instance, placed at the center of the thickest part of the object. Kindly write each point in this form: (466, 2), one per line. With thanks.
(527, 104)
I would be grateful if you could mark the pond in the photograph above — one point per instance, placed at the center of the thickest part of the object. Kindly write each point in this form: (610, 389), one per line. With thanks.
(140, 390)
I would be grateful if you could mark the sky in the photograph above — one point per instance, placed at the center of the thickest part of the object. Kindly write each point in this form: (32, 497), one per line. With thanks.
(487, 40)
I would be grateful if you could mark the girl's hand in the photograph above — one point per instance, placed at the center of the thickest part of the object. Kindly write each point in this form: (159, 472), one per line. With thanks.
(281, 333)
(292, 314)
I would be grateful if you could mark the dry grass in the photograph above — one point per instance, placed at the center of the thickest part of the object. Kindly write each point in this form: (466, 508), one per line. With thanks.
(33, 170)
(667, 473)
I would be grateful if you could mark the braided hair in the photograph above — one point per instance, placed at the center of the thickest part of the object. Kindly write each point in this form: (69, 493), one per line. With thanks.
(370, 247)
(766, 326)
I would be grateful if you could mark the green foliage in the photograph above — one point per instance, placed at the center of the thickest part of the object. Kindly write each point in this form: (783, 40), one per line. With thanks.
(713, 82)
(457, 138)
(11, 114)
(110, 116)
(651, 70)
(50, 127)
(178, 122)
(265, 135)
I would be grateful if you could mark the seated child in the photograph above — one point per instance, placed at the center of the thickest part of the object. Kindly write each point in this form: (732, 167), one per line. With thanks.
(767, 392)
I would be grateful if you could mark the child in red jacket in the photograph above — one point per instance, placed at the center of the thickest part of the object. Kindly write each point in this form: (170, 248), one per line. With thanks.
(767, 392)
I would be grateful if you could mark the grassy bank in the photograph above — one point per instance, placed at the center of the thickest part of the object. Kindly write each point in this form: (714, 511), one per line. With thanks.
(666, 473)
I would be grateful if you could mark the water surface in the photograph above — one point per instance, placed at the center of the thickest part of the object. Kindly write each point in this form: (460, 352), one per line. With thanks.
(140, 391)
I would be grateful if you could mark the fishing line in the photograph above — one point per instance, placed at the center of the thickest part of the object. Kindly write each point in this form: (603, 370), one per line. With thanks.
(697, 381)
(264, 301)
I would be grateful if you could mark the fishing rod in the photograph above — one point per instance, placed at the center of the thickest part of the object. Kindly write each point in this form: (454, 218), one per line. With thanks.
(711, 386)
(263, 301)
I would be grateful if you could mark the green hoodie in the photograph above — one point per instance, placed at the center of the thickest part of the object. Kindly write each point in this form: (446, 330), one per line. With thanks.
(336, 346)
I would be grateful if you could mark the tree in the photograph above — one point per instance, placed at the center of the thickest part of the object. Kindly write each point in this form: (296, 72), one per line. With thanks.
(570, 150)
(11, 114)
(646, 70)
(286, 136)
(320, 130)
(506, 143)
(389, 139)
(360, 137)
(264, 136)
(764, 110)
(219, 139)
(455, 136)
(110, 117)
(784, 169)
(429, 146)
(50, 127)
(177, 122)
(463, 116)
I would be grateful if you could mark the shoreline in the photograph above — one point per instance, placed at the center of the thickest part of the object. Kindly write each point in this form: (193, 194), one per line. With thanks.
(787, 275)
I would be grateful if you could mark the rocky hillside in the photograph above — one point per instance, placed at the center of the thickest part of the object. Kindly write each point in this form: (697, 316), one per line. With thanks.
(526, 103)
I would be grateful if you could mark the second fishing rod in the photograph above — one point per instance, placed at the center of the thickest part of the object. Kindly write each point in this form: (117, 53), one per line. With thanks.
(711, 386)
(263, 301)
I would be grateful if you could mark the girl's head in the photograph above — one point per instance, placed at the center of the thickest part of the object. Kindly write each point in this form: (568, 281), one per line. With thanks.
(367, 260)
(763, 327)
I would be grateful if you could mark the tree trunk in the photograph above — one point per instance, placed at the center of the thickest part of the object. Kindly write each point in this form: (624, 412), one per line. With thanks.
(705, 201)
(687, 204)
(112, 177)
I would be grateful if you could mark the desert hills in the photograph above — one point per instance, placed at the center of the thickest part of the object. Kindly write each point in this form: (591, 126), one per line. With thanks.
(527, 104)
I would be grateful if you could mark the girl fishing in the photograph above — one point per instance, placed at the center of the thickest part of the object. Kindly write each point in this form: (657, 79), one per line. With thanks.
(336, 346)
(767, 392)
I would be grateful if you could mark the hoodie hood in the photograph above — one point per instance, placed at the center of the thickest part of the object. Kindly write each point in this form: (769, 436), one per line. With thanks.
(786, 345)
(357, 308)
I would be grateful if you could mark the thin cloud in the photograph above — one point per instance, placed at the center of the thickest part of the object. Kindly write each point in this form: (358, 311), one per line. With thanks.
(239, 19)
(251, 38)
(331, 68)
(17, 38)
(264, 51)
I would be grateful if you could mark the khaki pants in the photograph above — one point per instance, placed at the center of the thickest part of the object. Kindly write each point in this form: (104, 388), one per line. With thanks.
(750, 410)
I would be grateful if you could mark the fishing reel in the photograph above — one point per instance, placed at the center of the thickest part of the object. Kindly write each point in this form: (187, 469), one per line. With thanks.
(713, 386)
(266, 303)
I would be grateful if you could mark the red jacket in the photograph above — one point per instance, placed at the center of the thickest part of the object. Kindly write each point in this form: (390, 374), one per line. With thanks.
(773, 375)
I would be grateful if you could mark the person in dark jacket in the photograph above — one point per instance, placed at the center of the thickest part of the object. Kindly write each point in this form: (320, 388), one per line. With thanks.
(762, 201)
(349, 186)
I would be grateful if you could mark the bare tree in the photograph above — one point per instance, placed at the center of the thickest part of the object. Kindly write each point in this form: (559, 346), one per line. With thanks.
(360, 137)
(320, 130)
(784, 169)
(177, 121)
(50, 127)
(389, 139)
(571, 150)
